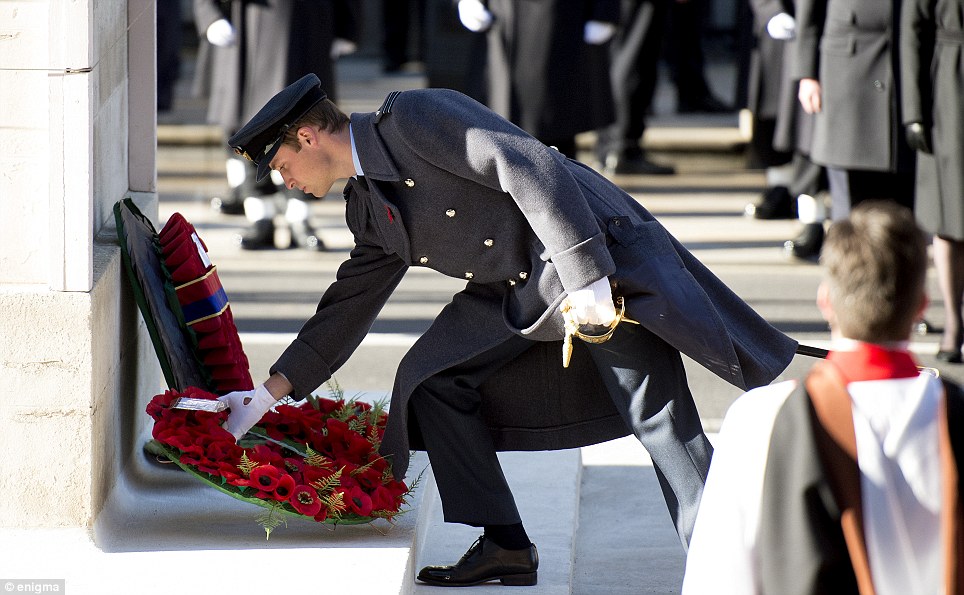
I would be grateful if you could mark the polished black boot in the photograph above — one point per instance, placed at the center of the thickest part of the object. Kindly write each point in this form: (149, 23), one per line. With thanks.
(232, 204)
(807, 245)
(483, 562)
(776, 203)
(259, 236)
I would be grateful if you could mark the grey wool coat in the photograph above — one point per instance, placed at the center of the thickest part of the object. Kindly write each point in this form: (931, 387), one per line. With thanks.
(454, 187)
(278, 42)
(932, 71)
(542, 75)
(851, 47)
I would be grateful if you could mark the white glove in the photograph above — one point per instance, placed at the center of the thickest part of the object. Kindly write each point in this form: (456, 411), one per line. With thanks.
(221, 33)
(247, 409)
(593, 304)
(342, 47)
(598, 32)
(782, 27)
(474, 15)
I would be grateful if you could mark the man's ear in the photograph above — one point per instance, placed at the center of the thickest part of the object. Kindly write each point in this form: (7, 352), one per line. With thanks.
(307, 135)
(823, 302)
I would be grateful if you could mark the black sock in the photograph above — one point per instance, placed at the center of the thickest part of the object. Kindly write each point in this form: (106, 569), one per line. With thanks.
(508, 537)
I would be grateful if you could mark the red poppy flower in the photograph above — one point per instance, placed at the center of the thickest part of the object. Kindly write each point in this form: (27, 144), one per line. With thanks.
(267, 455)
(382, 499)
(358, 501)
(265, 478)
(285, 487)
(305, 500)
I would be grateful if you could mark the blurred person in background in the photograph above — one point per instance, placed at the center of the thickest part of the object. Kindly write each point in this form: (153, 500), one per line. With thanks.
(548, 64)
(783, 132)
(932, 77)
(168, 51)
(846, 63)
(683, 52)
(250, 50)
(635, 53)
(402, 21)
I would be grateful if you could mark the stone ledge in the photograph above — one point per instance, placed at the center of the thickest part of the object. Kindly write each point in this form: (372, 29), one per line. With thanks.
(162, 532)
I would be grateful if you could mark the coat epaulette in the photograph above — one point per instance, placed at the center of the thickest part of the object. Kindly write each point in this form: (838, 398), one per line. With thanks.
(386, 107)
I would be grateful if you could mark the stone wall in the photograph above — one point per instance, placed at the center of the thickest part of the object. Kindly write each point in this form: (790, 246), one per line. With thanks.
(77, 126)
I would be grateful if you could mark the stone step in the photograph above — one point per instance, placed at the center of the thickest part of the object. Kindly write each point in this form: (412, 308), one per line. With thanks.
(626, 543)
(546, 490)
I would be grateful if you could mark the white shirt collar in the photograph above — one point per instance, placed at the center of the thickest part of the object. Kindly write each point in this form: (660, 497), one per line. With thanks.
(354, 154)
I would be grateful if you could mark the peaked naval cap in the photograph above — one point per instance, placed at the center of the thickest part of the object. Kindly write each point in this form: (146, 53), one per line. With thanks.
(260, 139)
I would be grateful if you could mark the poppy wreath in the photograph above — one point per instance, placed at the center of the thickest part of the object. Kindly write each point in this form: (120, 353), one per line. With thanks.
(315, 460)
(204, 309)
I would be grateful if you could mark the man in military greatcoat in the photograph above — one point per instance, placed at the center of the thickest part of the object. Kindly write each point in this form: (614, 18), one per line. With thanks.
(553, 257)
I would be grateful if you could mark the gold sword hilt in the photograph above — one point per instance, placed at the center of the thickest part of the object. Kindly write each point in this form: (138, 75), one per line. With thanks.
(572, 329)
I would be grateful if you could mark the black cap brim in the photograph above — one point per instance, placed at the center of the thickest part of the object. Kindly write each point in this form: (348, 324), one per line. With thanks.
(260, 139)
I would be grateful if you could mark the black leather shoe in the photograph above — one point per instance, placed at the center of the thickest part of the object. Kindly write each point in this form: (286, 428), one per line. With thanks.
(259, 236)
(951, 357)
(303, 236)
(616, 163)
(484, 562)
(807, 245)
(232, 204)
(776, 203)
(707, 104)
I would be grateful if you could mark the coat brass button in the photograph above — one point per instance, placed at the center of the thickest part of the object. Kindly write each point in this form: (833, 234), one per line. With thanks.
(469, 274)
(423, 260)
(489, 243)
(450, 213)
(409, 182)
(511, 282)
(523, 275)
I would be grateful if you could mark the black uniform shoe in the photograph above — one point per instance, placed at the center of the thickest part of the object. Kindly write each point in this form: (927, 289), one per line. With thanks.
(707, 104)
(259, 236)
(807, 245)
(484, 562)
(232, 204)
(951, 357)
(303, 236)
(622, 163)
(776, 203)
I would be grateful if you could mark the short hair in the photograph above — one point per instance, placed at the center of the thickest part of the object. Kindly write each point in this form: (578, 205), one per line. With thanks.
(325, 115)
(876, 265)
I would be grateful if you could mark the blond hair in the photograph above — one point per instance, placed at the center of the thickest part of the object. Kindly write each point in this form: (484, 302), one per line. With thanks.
(876, 266)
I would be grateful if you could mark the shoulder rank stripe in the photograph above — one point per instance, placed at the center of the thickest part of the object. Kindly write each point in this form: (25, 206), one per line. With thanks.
(386, 107)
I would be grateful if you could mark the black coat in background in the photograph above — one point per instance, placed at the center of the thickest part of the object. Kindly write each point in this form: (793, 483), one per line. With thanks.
(542, 75)
(932, 73)
(278, 42)
(850, 46)
(767, 88)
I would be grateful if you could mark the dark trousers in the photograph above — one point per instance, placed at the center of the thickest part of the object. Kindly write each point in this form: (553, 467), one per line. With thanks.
(684, 49)
(850, 187)
(398, 18)
(643, 375)
(633, 72)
